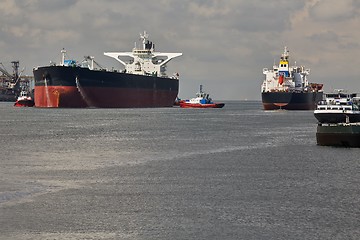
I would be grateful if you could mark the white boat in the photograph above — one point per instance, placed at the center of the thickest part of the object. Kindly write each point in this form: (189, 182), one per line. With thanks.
(338, 107)
(202, 100)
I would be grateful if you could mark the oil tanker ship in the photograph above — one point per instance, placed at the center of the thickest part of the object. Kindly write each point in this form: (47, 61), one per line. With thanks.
(143, 82)
(287, 87)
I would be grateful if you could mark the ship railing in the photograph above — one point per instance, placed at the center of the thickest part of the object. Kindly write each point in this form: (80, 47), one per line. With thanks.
(339, 124)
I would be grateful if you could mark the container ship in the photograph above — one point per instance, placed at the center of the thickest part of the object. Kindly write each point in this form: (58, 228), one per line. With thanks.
(287, 87)
(143, 83)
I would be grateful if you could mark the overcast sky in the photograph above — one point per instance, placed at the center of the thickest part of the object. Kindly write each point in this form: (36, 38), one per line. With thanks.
(225, 43)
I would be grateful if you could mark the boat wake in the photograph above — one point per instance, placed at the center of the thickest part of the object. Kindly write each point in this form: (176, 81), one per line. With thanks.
(82, 93)
(47, 93)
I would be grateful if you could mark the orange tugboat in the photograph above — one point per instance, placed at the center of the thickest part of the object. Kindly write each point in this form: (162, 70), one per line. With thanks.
(202, 100)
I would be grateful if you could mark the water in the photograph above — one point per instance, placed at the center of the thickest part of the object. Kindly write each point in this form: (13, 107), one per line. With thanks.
(170, 173)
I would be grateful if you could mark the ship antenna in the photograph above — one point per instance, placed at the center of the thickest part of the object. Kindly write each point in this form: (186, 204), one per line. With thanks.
(144, 37)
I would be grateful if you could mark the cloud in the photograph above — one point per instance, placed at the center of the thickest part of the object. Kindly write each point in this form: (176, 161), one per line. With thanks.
(209, 9)
(9, 8)
(333, 10)
(225, 43)
(325, 36)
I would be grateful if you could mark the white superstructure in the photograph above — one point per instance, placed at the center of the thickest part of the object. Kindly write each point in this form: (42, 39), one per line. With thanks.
(144, 61)
(338, 107)
(286, 78)
(338, 102)
(201, 97)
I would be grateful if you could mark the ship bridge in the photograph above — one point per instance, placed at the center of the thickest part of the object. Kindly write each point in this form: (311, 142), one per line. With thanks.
(144, 61)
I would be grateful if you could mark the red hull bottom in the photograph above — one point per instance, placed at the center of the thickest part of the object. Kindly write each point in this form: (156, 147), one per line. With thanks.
(24, 104)
(72, 97)
(198, 105)
(285, 106)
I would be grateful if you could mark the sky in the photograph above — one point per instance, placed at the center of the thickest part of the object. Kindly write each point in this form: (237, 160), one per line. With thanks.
(225, 43)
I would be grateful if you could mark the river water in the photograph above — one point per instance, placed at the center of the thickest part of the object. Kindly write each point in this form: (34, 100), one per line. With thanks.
(171, 173)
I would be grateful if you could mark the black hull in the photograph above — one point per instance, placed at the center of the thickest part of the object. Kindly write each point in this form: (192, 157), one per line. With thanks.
(62, 86)
(340, 135)
(291, 100)
(337, 117)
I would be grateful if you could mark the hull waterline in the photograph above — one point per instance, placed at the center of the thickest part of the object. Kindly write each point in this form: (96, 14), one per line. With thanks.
(194, 105)
(291, 100)
(24, 104)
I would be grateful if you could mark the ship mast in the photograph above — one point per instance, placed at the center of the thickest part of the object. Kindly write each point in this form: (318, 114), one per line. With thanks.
(63, 52)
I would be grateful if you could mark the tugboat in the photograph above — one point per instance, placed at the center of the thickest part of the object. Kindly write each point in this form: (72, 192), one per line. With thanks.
(143, 83)
(287, 87)
(24, 100)
(202, 100)
(338, 107)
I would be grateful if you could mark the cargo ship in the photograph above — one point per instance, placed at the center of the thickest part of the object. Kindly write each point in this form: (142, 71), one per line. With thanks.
(142, 83)
(287, 87)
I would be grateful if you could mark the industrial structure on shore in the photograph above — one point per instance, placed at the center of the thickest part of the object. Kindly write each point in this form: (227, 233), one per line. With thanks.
(11, 84)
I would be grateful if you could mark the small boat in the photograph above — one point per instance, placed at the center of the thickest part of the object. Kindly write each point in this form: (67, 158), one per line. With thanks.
(338, 107)
(24, 100)
(202, 100)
